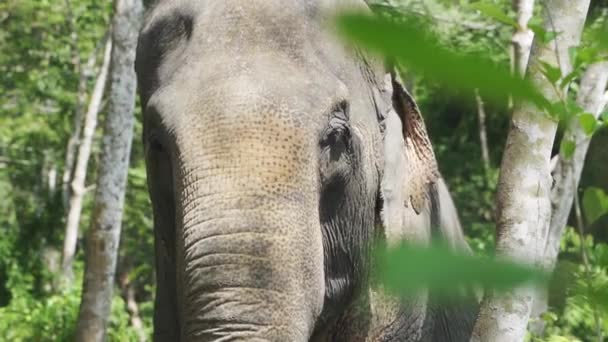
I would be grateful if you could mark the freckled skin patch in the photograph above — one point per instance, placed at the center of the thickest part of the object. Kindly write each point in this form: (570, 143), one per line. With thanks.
(264, 157)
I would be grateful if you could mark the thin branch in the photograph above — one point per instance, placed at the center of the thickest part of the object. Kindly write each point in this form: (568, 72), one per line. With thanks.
(483, 138)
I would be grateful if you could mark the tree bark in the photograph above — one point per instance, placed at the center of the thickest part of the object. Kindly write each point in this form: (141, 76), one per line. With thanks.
(523, 199)
(104, 233)
(521, 42)
(80, 170)
(567, 174)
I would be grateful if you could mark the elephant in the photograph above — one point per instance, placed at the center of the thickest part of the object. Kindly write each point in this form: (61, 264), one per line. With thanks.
(277, 158)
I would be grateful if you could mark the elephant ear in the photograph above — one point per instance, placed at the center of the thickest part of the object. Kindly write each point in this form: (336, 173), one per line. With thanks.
(421, 166)
(416, 202)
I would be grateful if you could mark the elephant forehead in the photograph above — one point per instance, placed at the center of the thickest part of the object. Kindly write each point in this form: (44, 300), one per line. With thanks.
(188, 42)
(266, 88)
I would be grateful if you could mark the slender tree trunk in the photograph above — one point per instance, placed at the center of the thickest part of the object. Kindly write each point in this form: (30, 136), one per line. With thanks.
(523, 200)
(84, 72)
(81, 95)
(80, 170)
(483, 136)
(567, 174)
(104, 233)
(128, 295)
(521, 42)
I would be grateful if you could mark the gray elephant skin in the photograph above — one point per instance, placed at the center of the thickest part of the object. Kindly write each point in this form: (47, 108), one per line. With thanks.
(277, 157)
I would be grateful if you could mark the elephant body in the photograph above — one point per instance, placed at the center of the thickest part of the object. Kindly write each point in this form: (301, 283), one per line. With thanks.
(277, 157)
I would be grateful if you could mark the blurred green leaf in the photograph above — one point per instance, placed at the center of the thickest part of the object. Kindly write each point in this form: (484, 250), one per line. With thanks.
(601, 36)
(572, 53)
(543, 35)
(567, 148)
(409, 268)
(553, 73)
(588, 123)
(595, 204)
(492, 11)
(548, 317)
(569, 78)
(585, 55)
(415, 48)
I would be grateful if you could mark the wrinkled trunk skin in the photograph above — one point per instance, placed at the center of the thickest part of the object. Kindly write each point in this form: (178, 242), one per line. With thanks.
(249, 249)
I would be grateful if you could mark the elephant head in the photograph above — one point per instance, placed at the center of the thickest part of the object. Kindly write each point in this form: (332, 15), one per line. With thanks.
(276, 156)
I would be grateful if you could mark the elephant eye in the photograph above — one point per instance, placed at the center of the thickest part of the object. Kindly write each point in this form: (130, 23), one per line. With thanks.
(154, 142)
(337, 135)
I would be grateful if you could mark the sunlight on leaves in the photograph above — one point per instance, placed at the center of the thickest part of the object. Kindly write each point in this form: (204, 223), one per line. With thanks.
(410, 268)
(412, 46)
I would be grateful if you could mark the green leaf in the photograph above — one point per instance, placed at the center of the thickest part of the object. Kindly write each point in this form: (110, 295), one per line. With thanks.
(414, 47)
(595, 204)
(567, 148)
(604, 116)
(572, 53)
(542, 34)
(588, 123)
(569, 78)
(553, 73)
(494, 12)
(548, 317)
(410, 268)
(601, 36)
(585, 55)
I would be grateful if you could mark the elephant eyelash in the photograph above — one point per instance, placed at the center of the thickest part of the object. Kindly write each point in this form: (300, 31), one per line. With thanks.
(337, 132)
(154, 142)
(338, 125)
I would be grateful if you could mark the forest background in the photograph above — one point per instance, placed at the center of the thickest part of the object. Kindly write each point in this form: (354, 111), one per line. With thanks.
(52, 53)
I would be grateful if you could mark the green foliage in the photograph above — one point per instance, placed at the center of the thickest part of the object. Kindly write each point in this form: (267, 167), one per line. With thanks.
(409, 268)
(595, 204)
(578, 297)
(494, 11)
(434, 60)
(54, 317)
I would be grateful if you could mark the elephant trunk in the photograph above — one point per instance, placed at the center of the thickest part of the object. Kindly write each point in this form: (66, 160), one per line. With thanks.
(250, 247)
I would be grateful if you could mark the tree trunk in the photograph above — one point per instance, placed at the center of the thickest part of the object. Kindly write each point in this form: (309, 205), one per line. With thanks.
(523, 199)
(567, 174)
(104, 233)
(521, 42)
(83, 72)
(128, 295)
(80, 170)
(483, 136)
